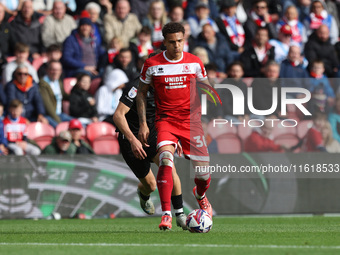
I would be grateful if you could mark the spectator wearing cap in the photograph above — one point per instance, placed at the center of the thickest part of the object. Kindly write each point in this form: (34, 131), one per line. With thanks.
(52, 92)
(107, 96)
(61, 144)
(319, 16)
(122, 23)
(259, 17)
(282, 43)
(81, 51)
(58, 25)
(75, 127)
(291, 18)
(201, 18)
(26, 27)
(231, 27)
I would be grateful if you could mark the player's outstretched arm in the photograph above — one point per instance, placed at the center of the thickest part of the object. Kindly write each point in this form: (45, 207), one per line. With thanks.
(123, 126)
(143, 133)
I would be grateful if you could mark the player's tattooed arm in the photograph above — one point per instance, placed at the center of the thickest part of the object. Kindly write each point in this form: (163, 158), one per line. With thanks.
(143, 133)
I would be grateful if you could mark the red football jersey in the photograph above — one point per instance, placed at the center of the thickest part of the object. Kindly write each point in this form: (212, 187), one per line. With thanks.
(15, 130)
(176, 95)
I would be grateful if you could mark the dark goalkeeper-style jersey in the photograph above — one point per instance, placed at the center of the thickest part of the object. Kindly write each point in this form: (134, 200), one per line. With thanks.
(129, 99)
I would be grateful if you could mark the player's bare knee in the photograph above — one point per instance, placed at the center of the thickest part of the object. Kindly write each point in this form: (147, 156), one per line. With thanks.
(152, 185)
(166, 158)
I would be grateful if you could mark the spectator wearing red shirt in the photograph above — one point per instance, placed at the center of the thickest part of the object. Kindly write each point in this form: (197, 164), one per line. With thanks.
(261, 140)
(313, 140)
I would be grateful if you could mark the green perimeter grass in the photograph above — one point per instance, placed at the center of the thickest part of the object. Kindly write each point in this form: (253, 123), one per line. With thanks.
(240, 232)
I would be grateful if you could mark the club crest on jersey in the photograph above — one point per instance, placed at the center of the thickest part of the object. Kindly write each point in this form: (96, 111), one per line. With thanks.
(186, 69)
(133, 92)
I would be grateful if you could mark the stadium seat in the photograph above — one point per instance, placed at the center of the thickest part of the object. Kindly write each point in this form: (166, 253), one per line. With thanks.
(220, 129)
(302, 128)
(37, 62)
(64, 126)
(280, 130)
(288, 140)
(66, 107)
(229, 143)
(95, 84)
(102, 138)
(69, 83)
(41, 133)
(248, 81)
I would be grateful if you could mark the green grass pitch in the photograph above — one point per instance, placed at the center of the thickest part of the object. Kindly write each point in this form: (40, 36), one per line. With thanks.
(229, 235)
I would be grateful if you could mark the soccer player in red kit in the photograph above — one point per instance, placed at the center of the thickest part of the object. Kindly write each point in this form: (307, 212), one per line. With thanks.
(173, 73)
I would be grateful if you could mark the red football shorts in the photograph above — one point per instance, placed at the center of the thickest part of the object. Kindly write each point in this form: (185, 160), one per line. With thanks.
(191, 136)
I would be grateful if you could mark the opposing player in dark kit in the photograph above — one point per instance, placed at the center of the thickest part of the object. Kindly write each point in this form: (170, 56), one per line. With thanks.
(139, 158)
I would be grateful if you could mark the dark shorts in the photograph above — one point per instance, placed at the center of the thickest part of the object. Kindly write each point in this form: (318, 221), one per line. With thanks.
(139, 167)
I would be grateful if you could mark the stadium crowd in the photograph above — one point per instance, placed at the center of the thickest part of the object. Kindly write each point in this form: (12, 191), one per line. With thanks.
(101, 46)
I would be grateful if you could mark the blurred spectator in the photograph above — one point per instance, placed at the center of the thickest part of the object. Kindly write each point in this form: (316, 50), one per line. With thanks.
(82, 104)
(189, 40)
(212, 74)
(81, 50)
(332, 145)
(122, 23)
(113, 50)
(293, 70)
(176, 14)
(21, 52)
(108, 95)
(143, 46)
(125, 62)
(259, 18)
(334, 118)
(261, 139)
(3, 101)
(61, 144)
(3, 140)
(263, 89)
(202, 53)
(216, 46)
(75, 127)
(323, 96)
(6, 38)
(12, 6)
(58, 25)
(26, 27)
(313, 140)
(93, 9)
(320, 47)
(140, 8)
(155, 20)
(52, 92)
(23, 87)
(15, 131)
(53, 53)
(231, 27)
(200, 18)
(235, 73)
(282, 44)
(291, 18)
(191, 6)
(318, 16)
(257, 56)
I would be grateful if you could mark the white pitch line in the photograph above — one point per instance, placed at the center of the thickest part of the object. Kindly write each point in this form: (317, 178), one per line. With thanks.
(179, 245)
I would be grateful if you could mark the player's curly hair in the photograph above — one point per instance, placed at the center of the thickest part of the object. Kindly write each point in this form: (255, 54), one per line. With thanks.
(171, 28)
